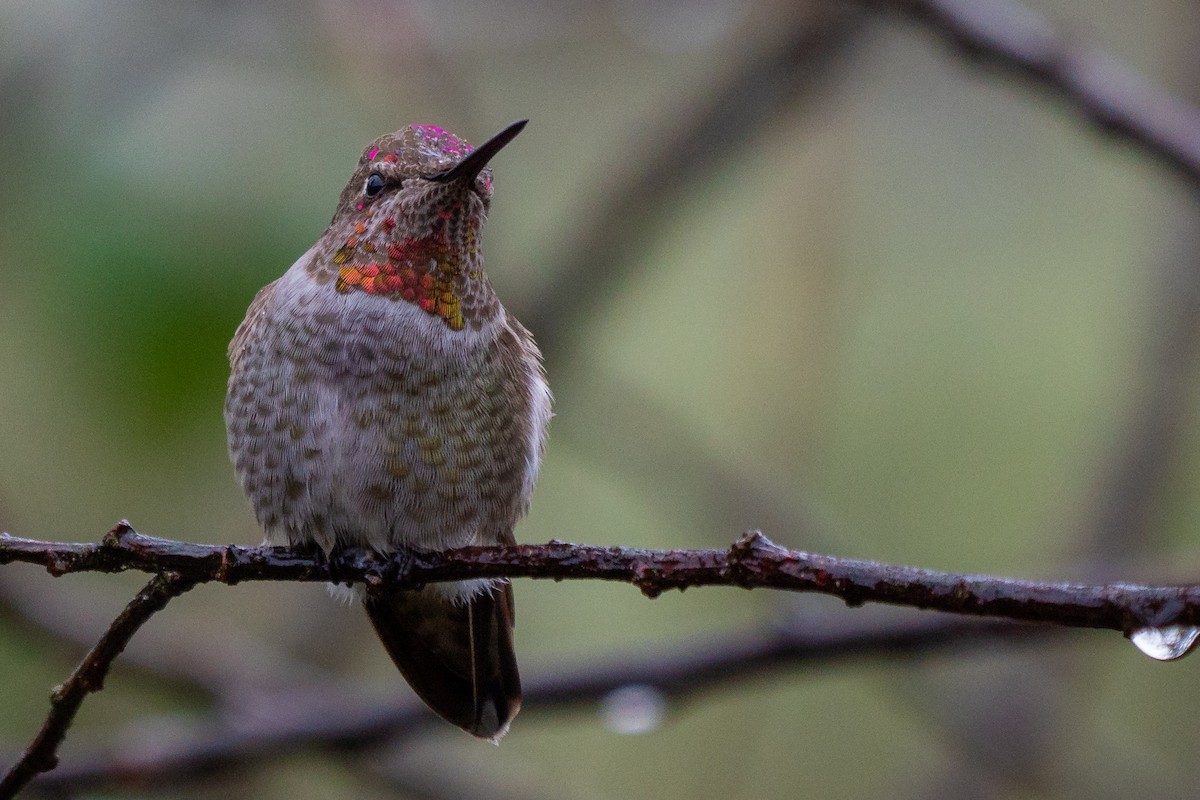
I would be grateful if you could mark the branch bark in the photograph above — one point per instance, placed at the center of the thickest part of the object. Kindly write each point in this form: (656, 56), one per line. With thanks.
(754, 561)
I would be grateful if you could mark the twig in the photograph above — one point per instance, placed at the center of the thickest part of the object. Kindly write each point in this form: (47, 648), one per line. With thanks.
(754, 561)
(1113, 97)
(41, 755)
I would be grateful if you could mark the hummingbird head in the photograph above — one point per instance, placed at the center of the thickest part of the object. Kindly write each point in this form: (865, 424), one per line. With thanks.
(408, 223)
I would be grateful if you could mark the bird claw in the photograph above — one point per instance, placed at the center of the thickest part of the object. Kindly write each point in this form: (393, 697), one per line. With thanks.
(346, 564)
(397, 568)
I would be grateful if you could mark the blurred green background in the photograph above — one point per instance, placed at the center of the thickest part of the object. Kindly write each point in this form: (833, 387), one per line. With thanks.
(905, 309)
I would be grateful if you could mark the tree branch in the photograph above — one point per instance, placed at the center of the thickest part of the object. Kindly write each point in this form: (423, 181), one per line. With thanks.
(754, 561)
(751, 562)
(41, 755)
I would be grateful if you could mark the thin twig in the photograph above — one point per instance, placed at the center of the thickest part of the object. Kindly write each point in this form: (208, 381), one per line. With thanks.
(754, 561)
(88, 677)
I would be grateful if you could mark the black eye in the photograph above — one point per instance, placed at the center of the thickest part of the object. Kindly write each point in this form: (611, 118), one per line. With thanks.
(375, 184)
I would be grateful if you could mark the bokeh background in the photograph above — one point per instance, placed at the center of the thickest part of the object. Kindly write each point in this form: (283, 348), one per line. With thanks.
(798, 267)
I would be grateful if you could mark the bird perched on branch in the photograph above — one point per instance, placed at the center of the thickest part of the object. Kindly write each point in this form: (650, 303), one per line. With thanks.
(381, 396)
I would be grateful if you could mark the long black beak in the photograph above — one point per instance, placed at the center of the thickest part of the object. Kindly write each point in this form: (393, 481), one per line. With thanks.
(467, 169)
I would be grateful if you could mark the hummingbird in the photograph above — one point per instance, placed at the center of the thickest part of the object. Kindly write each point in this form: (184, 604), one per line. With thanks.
(382, 397)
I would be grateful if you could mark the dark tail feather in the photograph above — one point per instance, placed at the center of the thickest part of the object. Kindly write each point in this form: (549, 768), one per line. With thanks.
(458, 657)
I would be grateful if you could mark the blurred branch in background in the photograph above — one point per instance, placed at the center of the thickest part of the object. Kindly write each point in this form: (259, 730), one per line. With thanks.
(1007, 35)
(1128, 493)
(764, 87)
(1020, 41)
(1112, 97)
(358, 720)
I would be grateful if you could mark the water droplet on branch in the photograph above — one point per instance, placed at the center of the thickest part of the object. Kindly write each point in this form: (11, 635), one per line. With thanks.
(1166, 643)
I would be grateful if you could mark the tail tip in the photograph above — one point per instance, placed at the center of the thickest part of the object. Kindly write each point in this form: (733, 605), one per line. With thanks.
(490, 726)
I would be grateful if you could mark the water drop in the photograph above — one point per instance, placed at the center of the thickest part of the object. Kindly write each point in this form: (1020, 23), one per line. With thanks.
(633, 709)
(1166, 643)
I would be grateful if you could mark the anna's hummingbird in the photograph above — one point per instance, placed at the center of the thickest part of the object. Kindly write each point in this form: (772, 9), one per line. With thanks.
(382, 397)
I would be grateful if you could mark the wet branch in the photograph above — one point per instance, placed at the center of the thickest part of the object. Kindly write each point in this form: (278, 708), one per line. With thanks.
(754, 561)
(751, 562)
(42, 753)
